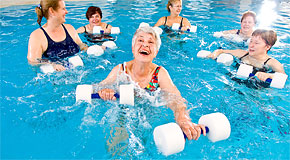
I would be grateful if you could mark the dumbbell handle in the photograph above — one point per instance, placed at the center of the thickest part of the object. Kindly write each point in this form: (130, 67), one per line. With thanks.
(97, 96)
(269, 80)
(206, 131)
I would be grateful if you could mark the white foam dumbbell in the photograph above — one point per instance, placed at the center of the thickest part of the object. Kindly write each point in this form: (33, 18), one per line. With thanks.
(143, 24)
(192, 29)
(203, 54)
(85, 93)
(74, 61)
(110, 44)
(115, 30)
(175, 26)
(170, 139)
(158, 30)
(98, 30)
(95, 50)
(226, 59)
(278, 81)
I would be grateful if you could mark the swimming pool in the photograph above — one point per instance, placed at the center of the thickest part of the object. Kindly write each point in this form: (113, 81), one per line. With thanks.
(40, 119)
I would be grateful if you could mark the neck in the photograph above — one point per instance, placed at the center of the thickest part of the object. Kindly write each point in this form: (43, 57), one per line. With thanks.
(261, 57)
(140, 69)
(248, 34)
(52, 26)
(172, 15)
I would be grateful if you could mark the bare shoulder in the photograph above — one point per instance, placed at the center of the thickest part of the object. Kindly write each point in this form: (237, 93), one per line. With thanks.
(276, 65)
(160, 22)
(69, 27)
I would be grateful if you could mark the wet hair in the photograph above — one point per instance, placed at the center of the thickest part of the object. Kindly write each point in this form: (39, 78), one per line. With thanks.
(93, 10)
(148, 30)
(42, 9)
(170, 3)
(269, 36)
(251, 14)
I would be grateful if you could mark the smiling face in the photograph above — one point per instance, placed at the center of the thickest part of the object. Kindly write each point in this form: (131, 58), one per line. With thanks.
(258, 46)
(247, 24)
(144, 48)
(95, 19)
(175, 8)
(61, 11)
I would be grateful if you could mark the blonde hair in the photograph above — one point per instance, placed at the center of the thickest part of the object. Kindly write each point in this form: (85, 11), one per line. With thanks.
(251, 14)
(42, 9)
(269, 36)
(170, 2)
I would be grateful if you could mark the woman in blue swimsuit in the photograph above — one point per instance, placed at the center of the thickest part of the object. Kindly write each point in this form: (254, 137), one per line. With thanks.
(147, 75)
(174, 7)
(257, 54)
(55, 40)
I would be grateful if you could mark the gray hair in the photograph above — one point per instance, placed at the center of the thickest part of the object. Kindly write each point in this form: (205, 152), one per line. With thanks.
(148, 30)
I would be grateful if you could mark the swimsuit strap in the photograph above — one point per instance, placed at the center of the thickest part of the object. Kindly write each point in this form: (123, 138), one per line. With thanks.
(153, 84)
(165, 21)
(181, 22)
(244, 56)
(46, 35)
(85, 29)
(266, 61)
(107, 26)
(124, 67)
(238, 32)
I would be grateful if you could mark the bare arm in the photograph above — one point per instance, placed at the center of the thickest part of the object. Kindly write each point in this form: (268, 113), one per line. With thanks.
(81, 29)
(186, 24)
(275, 65)
(75, 36)
(177, 104)
(237, 53)
(234, 31)
(160, 22)
(36, 47)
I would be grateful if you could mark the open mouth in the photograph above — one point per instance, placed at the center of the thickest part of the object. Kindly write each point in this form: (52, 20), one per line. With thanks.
(144, 52)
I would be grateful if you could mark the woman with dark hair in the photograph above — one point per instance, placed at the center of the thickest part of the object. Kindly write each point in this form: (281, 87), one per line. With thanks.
(94, 16)
(54, 41)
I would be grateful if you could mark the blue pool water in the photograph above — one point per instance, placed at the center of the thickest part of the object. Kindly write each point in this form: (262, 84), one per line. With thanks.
(40, 119)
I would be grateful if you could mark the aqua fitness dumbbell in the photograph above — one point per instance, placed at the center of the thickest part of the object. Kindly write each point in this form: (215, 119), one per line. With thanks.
(278, 81)
(225, 58)
(97, 50)
(170, 139)
(158, 30)
(176, 27)
(99, 30)
(73, 62)
(85, 93)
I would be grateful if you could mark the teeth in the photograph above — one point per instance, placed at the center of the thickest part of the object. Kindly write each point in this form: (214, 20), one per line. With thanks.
(144, 52)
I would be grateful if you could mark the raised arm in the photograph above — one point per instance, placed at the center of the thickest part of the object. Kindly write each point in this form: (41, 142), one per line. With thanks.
(177, 104)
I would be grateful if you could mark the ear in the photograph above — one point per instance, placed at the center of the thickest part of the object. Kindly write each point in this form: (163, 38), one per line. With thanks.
(268, 47)
(51, 11)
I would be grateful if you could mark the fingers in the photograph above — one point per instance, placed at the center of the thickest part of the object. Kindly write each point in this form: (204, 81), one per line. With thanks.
(107, 94)
(262, 76)
(58, 67)
(192, 131)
